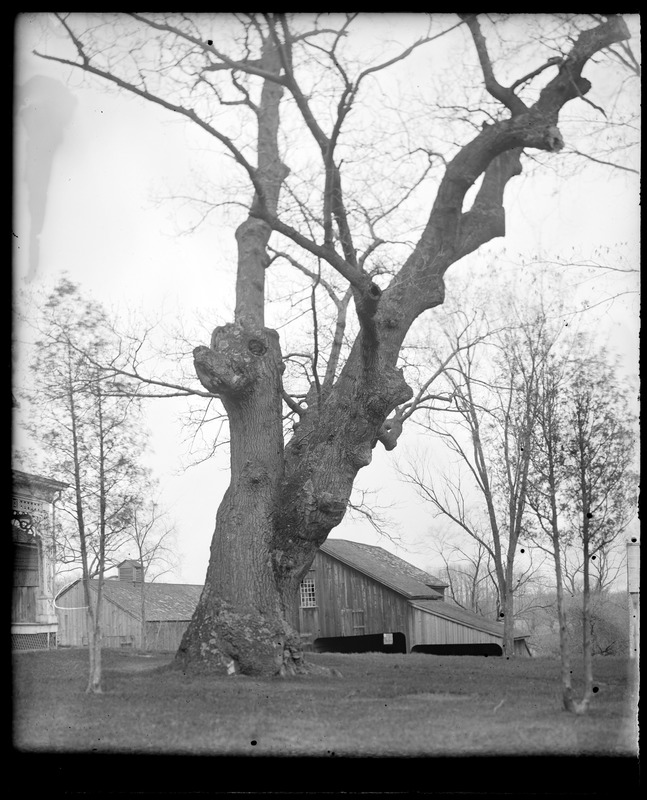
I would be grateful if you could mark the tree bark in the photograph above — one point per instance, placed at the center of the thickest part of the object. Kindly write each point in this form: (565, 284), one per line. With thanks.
(568, 700)
(548, 422)
(94, 652)
(279, 507)
(508, 611)
(142, 598)
(584, 465)
(240, 622)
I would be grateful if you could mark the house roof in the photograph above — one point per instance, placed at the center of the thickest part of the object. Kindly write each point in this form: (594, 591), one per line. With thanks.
(386, 568)
(36, 483)
(164, 601)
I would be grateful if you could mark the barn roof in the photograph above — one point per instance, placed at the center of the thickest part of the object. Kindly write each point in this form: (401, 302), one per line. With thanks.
(130, 561)
(458, 614)
(164, 601)
(386, 568)
(410, 581)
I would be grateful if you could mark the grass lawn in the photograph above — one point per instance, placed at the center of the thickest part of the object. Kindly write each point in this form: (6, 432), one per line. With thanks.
(384, 705)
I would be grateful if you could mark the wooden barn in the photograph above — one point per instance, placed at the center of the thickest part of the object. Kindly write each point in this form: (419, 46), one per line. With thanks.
(359, 598)
(33, 619)
(168, 610)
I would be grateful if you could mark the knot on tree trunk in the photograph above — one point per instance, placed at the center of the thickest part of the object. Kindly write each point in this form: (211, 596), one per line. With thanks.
(390, 431)
(322, 511)
(367, 301)
(530, 130)
(385, 391)
(361, 455)
(232, 365)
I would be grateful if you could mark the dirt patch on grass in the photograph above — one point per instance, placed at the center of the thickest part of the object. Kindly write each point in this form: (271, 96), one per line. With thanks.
(432, 697)
(139, 662)
(412, 699)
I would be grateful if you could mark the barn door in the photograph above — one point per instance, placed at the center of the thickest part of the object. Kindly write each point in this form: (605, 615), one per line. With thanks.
(352, 622)
(347, 622)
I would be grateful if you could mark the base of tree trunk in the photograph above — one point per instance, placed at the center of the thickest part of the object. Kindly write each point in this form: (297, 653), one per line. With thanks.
(293, 665)
(298, 666)
(576, 707)
(237, 643)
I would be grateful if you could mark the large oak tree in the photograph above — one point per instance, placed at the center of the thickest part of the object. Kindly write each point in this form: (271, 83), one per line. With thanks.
(281, 96)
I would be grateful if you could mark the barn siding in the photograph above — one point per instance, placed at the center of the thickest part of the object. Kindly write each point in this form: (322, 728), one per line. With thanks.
(165, 636)
(72, 623)
(340, 590)
(120, 629)
(428, 628)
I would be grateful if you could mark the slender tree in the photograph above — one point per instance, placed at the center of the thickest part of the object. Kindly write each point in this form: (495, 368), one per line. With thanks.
(544, 500)
(88, 437)
(324, 203)
(602, 478)
(582, 484)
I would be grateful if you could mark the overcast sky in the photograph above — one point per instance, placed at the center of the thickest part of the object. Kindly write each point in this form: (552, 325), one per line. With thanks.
(106, 158)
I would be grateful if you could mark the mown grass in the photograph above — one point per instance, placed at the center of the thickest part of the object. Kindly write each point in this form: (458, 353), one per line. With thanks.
(384, 705)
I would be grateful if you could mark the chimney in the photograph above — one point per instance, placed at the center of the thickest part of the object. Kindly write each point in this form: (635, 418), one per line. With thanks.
(130, 571)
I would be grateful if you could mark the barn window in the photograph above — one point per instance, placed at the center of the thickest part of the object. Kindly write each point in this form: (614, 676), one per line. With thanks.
(308, 595)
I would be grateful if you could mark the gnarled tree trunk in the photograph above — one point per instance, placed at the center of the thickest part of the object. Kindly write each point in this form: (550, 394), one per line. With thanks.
(240, 622)
(282, 503)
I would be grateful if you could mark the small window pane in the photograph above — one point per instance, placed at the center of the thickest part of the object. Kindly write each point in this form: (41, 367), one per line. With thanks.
(308, 596)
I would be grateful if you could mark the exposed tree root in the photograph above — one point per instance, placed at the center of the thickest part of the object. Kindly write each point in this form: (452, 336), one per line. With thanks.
(295, 665)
